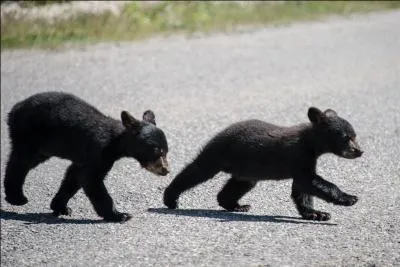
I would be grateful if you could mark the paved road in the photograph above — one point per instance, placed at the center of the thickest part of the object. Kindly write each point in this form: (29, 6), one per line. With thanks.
(197, 87)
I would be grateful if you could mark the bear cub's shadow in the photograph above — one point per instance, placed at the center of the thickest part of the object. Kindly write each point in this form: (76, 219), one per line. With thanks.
(220, 215)
(226, 216)
(44, 218)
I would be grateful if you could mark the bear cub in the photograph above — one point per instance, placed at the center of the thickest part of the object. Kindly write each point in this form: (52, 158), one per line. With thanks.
(62, 125)
(254, 150)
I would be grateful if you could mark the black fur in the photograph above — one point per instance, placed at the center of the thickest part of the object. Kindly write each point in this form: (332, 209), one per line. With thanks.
(62, 125)
(254, 150)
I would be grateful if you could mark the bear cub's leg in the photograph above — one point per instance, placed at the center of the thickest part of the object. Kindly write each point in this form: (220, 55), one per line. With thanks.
(19, 164)
(234, 190)
(69, 186)
(305, 206)
(95, 190)
(316, 186)
(329, 192)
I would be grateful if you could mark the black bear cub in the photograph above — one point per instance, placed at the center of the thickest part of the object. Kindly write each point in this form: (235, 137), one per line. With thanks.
(62, 125)
(254, 150)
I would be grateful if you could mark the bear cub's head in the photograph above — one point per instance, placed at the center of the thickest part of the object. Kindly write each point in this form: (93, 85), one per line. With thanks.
(145, 142)
(335, 134)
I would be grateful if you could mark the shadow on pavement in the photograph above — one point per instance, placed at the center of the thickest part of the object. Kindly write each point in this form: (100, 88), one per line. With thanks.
(225, 216)
(45, 218)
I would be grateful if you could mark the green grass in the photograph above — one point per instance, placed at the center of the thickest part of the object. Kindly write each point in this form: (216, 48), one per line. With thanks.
(139, 21)
(35, 2)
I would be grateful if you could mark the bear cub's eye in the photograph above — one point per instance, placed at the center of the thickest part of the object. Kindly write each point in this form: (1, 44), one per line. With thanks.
(157, 151)
(346, 138)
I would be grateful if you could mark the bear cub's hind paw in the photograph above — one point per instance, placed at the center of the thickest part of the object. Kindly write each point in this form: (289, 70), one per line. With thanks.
(17, 200)
(171, 204)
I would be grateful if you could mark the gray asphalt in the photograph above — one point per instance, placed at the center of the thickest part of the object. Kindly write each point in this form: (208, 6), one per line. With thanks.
(197, 87)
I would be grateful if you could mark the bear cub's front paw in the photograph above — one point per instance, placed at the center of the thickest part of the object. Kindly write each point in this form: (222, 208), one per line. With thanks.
(349, 200)
(62, 211)
(118, 217)
(241, 208)
(316, 216)
(170, 200)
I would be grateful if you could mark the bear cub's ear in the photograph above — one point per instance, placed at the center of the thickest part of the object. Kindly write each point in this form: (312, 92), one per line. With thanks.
(315, 115)
(149, 116)
(330, 113)
(129, 121)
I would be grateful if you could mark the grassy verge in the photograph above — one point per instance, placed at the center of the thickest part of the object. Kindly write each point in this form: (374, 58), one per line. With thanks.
(139, 21)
